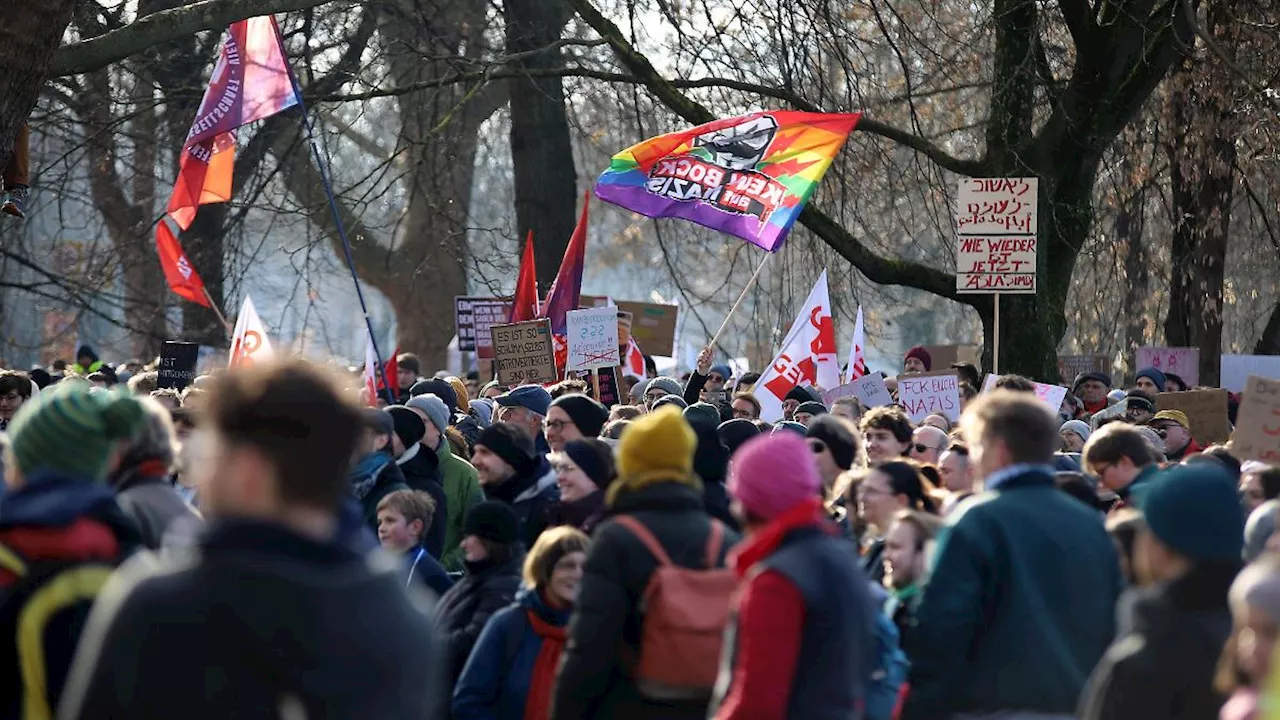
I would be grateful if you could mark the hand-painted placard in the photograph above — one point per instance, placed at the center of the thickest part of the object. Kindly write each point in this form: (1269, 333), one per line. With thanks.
(1052, 395)
(1181, 361)
(928, 393)
(523, 353)
(593, 338)
(870, 391)
(1257, 433)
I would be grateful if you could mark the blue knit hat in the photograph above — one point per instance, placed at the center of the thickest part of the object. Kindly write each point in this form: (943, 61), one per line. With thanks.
(1156, 376)
(1195, 511)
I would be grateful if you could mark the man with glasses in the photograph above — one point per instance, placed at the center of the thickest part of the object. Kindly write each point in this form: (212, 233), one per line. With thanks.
(573, 417)
(707, 383)
(1175, 429)
(15, 389)
(1121, 459)
(525, 407)
(927, 444)
(658, 388)
(745, 406)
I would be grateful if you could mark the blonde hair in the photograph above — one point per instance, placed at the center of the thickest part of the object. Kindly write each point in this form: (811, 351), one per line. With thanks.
(548, 549)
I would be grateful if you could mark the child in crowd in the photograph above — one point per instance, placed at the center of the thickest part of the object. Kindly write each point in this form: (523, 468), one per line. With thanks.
(404, 517)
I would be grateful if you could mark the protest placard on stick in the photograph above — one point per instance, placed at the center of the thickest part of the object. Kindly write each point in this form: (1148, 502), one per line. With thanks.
(524, 353)
(928, 393)
(1257, 433)
(593, 338)
(1206, 409)
(870, 391)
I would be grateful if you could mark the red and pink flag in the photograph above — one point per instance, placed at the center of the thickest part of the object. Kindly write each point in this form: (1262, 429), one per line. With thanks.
(857, 359)
(182, 278)
(635, 360)
(808, 355)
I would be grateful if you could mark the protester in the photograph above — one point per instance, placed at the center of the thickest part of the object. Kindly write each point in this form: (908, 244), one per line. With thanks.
(458, 477)
(512, 474)
(511, 672)
(403, 519)
(408, 372)
(87, 362)
(453, 393)
(1162, 664)
(1006, 624)
(1245, 667)
(917, 360)
(15, 390)
(573, 417)
(281, 439)
(1074, 435)
(928, 444)
(141, 479)
(60, 526)
(526, 407)
(733, 433)
(956, 470)
(1259, 528)
(623, 412)
(1150, 381)
(807, 411)
(886, 490)
(936, 420)
(849, 408)
(492, 555)
(1175, 383)
(1139, 407)
(1175, 429)
(836, 447)
(707, 382)
(887, 432)
(1119, 456)
(1091, 388)
(660, 387)
(745, 406)
(1123, 526)
(710, 461)
(795, 397)
(801, 640)
(906, 548)
(420, 467)
(584, 469)
(657, 488)
(375, 473)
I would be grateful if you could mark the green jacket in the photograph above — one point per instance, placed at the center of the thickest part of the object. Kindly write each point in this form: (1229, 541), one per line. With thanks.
(462, 492)
(1132, 493)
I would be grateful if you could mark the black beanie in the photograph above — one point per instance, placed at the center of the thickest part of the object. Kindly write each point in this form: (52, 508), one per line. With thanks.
(408, 426)
(812, 407)
(835, 435)
(799, 394)
(589, 415)
(492, 521)
(510, 443)
(440, 389)
(733, 433)
(593, 458)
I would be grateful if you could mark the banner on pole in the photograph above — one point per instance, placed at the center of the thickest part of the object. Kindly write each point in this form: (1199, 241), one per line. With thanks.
(523, 353)
(178, 362)
(1181, 361)
(593, 338)
(808, 355)
(928, 393)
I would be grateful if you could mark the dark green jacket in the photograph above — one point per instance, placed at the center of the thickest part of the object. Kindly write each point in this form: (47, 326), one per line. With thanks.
(1133, 492)
(1019, 608)
(462, 488)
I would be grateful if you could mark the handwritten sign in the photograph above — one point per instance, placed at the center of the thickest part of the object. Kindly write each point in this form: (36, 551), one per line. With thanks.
(1181, 361)
(997, 206)
(610, 394)
(1257, 434)
(1069, 366)
(177, 366)
(1052, 395)
(593, 338)
(929, 393)
(1236, 369)
(1206, 409)
(473, 317)
(524, 353)
(869, 389)
(987, 264)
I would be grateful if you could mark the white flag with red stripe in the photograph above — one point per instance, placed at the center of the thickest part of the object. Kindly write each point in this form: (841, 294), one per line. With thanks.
(635, 360)
(808, 355)
(373, 380)
(857, 360)
(249, 343)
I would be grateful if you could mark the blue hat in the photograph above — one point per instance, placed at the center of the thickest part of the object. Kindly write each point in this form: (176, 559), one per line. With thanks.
(1195, 511)
(1156, 376)
(532, 397)
(723, 371)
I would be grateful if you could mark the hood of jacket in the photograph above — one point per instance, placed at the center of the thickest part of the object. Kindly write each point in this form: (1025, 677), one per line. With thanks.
(83, 508)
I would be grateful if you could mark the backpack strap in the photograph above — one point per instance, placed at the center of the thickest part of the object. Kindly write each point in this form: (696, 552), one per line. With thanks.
(715, 542)
(646, 537)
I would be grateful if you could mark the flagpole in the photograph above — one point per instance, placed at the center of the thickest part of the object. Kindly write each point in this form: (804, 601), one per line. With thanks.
(750, 283)
(216, 311)
(337, 216)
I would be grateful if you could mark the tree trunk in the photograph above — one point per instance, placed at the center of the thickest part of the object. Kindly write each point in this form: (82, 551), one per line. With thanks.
(1269, 343)
(545, 180)
(29, 35)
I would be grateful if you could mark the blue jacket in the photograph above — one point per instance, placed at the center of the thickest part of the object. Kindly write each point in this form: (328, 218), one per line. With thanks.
(1019, 608)
(495, 681)
(426, 571)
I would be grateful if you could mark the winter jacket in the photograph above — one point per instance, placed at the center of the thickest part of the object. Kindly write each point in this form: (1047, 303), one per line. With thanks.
(583, 513)
(1019, 607)
(606, 624)
(873, 560)
(425, 571)
(462, 492)
(1131, 494)
(531, 496)
(284, 645)
(711, 464)
(1192, 448)
(422, 472)
(1163, 660)
(801, 639)
(463, 611)
(149, 500)
(495, 683)
(70, 527)
(374, 477)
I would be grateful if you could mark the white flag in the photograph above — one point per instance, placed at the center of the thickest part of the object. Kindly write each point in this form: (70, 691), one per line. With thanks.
(635, 359)
(249, 343)
(808, 355)
(857, 359)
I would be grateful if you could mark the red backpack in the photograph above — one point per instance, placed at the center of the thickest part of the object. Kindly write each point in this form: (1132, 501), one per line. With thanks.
(685, 612)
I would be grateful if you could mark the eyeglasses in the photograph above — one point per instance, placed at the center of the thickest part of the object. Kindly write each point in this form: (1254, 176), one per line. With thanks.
(556, 425)
(651, 397)
(924, 448)
(817, 446)
(715, 378)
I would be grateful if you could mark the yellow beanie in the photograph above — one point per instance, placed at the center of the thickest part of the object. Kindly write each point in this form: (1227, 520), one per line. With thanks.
(460, 389)
(657, 447)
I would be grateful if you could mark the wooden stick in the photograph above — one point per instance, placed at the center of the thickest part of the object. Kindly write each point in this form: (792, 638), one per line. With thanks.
(750, 283)
(221, 318)
(595, 380)
(995, 340)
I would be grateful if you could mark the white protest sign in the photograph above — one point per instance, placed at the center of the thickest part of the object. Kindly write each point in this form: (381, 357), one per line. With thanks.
(996, 264)
(997, 206)
(1052, 395)
(928, 393)
(996, 235)
(1181, 361)
(870, 391)
(593, 338)
(1236, 369)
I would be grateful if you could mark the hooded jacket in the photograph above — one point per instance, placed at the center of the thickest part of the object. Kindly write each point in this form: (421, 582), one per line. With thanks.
(531, 496)
(317, 628)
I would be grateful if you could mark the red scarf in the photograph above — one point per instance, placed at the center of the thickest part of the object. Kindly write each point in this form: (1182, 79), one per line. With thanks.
(537, 704)
(762, 544)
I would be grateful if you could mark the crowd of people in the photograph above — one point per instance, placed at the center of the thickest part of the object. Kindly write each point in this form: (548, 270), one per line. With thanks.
(275, 542)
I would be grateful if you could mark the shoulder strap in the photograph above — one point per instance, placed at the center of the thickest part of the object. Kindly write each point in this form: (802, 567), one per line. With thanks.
(646, 537)
(715, 540)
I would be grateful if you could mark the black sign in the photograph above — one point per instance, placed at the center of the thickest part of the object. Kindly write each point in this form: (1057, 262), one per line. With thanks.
(610, 394)
(178, 364)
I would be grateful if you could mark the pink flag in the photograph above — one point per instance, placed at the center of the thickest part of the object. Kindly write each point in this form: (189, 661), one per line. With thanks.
(249, 343)
(808, 355)
(857, 361)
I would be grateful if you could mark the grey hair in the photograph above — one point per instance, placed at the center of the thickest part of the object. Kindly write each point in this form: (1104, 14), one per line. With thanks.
(1258, 585)
(155, 440)
(1258, 529)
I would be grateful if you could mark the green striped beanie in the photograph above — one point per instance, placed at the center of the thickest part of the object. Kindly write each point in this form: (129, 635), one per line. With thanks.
(72, 431)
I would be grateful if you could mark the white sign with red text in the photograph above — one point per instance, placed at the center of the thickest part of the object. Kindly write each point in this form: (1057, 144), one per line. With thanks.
(808, 355)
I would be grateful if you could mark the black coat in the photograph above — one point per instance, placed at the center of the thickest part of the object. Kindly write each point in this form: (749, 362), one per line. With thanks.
(606, 624)
(1163, 660)
(258, 619)
(467, 606)
(422, 472)
(148, 498)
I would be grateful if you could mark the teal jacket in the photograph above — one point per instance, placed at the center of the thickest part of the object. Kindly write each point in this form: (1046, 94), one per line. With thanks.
(1019, 608)
(462, 492)
(1133, 492)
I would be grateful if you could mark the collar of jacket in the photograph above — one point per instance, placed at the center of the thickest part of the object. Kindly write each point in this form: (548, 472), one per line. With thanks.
(668, 496)
(409, 454)
(151, 471)
(546, 477)
(1019, 474)
(234, 536)
(1203, 588)
(763, 543)
(1144, 475)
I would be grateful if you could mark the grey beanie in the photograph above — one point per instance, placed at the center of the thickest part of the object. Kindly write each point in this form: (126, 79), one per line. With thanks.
(434, 407)
(669, 384)
(1258, 529)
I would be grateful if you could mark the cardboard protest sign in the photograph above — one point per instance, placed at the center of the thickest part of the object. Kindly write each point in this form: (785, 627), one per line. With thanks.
(593, 338)
(1257, 434)
(1111, 411)
(1052, 395)
(474, 315)
(997, 206)
(524, 353)
(653, 325)
(996, 235)
(1206, 409)
(944, 356)
(1236, 369)
(1069, 366)
(870, 391)
(177, 367)
(928, 393)
(995, 264)
(1181, 361)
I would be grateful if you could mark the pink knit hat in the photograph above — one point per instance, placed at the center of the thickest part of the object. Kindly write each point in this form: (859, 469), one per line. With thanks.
(772, 474)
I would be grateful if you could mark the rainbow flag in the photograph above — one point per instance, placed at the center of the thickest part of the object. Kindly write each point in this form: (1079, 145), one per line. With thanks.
(747, 176)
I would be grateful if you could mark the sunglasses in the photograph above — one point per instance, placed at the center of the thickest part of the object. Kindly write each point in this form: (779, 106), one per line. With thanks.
(924, 448)
(715, 378)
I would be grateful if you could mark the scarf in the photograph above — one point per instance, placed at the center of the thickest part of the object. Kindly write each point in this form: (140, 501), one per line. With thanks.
(365, 474)
(537, 704)
(583, 513)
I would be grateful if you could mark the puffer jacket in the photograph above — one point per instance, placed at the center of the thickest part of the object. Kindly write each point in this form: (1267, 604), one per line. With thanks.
(463, 611)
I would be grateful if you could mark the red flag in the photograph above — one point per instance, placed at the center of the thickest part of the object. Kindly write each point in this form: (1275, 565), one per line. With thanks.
(525, 306)
(182, 278)
(566, 291)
